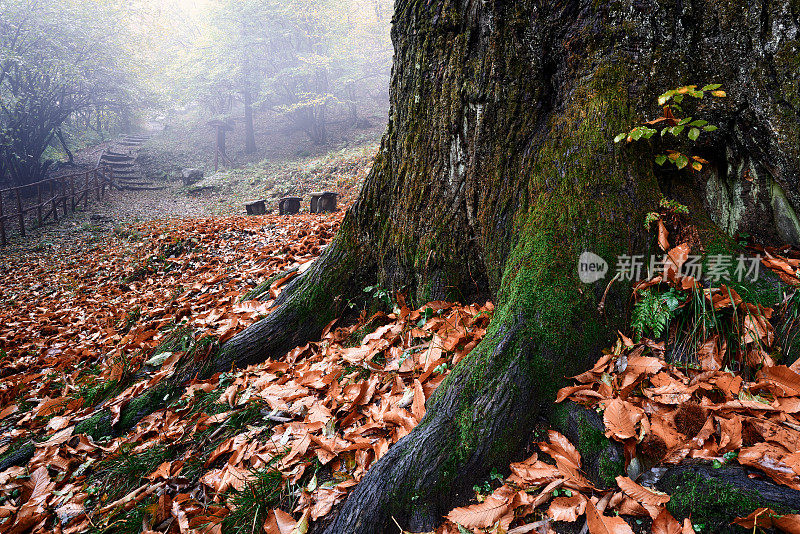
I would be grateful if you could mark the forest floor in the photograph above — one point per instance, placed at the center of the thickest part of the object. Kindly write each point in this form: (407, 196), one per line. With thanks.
(113, 300)
(221, 194)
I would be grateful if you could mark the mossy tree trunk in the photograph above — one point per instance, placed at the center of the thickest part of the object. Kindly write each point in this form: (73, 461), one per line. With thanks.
(498, 170)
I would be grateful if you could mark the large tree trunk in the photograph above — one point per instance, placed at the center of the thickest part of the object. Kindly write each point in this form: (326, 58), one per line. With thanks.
(498, 170)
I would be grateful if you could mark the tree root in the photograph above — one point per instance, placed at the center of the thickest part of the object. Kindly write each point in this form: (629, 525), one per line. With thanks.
(478, 419)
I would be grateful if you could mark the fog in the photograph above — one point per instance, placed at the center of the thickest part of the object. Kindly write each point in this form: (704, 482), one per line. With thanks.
(73, 73)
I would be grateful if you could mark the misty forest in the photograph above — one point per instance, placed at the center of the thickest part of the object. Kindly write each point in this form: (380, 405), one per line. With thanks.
(407, 267)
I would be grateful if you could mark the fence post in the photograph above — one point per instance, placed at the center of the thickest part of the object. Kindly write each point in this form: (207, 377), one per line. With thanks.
(21, 214)
(39, 204)
(54, 200)
(86, 198)
(2, 223)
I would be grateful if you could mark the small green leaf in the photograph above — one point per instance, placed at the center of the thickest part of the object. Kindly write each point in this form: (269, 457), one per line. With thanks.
(687, 120)
(699, 123)
(696, 165)
(716, 464)
(693, 134)
(710, 128)
(681, 161)
(712, 87)
(661, 159)
(620, 137)
(636, 134)
(663, 99)
(568, 493)
(678, 98)
(719, 94)
(677, 130)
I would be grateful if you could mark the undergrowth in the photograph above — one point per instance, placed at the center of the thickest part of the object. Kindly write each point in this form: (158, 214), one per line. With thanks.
(253, 502)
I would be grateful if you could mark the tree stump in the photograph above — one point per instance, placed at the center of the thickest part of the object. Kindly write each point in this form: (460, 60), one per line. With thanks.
(257, 207)
(323, 202)
(289, 205)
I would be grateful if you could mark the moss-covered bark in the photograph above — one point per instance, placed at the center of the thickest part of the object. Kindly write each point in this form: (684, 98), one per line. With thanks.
(713, 497)
(497, 171)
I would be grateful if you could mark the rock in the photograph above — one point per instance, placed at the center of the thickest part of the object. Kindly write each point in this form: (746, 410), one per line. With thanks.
(191, 176)
(289, 205)
(323, 202)
(257, 207)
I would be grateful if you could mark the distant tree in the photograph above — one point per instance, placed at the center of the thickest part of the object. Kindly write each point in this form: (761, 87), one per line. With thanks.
(295, 57)
(57, 59)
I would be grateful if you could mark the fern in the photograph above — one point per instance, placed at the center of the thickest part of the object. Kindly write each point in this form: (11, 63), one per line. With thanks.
(654, 311)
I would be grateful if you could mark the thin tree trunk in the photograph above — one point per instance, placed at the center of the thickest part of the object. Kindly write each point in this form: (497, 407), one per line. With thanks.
(250, 136)
(71, 159)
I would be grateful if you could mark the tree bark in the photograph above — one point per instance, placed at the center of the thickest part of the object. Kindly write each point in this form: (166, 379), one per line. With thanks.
(498, 170)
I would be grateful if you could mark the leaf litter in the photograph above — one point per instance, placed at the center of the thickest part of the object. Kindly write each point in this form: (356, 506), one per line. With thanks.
(76, 338)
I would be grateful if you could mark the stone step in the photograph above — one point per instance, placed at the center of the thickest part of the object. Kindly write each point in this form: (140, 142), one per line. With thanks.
(118, 166)
(140, 188)
(122, 168)
(117, 158)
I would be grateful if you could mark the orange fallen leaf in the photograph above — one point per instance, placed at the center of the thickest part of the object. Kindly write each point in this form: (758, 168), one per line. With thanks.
(602, 524)
(640, 493)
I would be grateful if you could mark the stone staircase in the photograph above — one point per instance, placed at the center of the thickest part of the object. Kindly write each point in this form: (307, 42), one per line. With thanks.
(120, 159)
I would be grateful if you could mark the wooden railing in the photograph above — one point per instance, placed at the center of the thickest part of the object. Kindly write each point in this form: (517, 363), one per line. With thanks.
(44, 198)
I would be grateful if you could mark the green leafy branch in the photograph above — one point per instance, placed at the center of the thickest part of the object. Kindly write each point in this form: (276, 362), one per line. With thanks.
(669, 123)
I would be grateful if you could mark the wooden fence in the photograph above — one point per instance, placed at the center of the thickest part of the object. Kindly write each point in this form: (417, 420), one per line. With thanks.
(43, 199)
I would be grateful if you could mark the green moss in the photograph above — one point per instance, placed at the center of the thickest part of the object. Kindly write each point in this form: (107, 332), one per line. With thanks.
(146, 403)
(559, 415)
(608, 469)
(713, 503)
(590, 439)
(97, 426)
